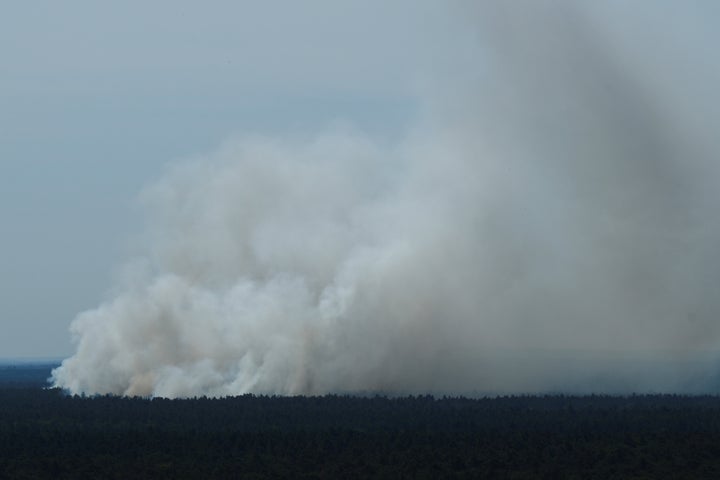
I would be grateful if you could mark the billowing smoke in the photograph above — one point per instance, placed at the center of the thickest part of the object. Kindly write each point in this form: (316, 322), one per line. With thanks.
(549, 222)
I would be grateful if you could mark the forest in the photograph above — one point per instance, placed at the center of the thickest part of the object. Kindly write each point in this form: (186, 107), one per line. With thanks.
(45, 433)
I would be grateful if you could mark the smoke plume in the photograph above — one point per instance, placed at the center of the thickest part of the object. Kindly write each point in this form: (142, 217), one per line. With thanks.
(548, 222)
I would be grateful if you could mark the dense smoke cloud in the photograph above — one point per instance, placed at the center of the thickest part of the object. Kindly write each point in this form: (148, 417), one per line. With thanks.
(548, 223)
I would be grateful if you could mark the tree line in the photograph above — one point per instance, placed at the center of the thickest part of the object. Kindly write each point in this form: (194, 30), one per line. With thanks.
(48, 434)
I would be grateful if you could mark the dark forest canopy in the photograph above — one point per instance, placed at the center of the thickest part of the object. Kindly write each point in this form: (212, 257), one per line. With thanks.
(45, 433)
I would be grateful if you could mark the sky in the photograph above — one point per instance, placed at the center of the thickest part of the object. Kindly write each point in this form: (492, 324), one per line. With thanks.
(398, 196)
(96, 98)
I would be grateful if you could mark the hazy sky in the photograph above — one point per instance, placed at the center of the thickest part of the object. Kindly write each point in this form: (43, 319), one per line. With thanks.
(96, 97)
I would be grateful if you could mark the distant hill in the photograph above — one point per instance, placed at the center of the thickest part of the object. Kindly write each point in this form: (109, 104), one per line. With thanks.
(23, 373)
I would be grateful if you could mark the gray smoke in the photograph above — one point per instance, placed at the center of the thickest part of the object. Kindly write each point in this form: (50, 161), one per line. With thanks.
(549, 222)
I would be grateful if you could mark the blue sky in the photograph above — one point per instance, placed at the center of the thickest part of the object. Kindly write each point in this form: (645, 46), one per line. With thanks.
(97, 97)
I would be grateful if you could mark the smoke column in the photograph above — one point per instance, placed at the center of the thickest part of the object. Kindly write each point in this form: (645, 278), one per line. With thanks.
(548, 223)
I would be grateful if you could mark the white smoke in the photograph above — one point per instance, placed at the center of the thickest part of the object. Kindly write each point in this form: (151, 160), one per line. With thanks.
(549, 223)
